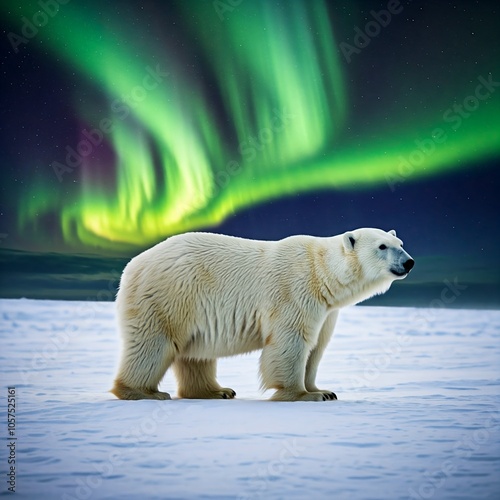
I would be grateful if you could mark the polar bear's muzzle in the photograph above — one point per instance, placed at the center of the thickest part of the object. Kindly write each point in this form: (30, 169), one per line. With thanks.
(404, 264)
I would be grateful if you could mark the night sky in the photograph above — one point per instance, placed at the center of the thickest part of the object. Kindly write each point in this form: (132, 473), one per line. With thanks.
(126, 122)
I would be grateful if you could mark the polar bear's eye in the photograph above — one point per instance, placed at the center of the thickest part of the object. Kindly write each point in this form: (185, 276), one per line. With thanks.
(382, 247)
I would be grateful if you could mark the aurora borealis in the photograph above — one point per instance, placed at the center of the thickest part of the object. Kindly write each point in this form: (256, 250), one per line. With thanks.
(174, 122)
(137, 121)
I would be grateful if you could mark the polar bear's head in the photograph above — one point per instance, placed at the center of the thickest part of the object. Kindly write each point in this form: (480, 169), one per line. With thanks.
(380, 254)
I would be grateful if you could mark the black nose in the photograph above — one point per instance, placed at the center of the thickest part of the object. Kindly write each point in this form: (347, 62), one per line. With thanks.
(408, 265)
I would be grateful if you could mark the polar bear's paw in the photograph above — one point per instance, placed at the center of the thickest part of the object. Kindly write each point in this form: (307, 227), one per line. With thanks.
(329, 395)
(219, 393)
(284, 395)
(162, 396)
(226, 393)
(122, 391)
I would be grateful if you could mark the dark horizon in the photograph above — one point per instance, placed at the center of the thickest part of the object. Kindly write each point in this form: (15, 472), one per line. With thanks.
(55, 276)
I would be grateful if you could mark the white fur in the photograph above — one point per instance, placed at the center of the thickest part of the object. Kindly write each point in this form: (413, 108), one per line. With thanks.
(198, 296)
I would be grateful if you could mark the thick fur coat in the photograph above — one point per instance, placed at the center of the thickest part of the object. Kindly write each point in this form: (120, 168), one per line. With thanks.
(197, 297)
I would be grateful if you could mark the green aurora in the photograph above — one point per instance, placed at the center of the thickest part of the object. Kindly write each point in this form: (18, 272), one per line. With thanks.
(274, 120)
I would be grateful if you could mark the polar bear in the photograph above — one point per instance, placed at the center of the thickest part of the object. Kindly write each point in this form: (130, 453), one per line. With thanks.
(197, 297)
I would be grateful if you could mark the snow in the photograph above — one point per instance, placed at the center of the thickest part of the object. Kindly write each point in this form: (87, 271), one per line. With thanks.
(418, 414)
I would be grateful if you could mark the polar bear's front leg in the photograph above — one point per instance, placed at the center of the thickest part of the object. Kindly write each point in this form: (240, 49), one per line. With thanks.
(316, 354)
(282, 367)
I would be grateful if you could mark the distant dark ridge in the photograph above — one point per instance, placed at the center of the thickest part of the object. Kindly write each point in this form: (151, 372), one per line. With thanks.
(475, 296)
(435, 281)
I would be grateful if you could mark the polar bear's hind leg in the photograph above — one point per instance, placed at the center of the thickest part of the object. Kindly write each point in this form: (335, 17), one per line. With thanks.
(144, 361)
(196, 379)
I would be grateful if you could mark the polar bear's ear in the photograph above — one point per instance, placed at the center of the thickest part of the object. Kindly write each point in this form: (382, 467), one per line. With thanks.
(348, 240)
(392, 231)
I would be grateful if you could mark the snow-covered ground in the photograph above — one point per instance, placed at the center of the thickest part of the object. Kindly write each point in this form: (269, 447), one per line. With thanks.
(418, 414)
